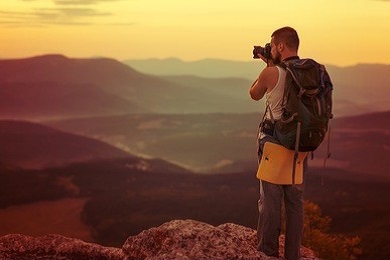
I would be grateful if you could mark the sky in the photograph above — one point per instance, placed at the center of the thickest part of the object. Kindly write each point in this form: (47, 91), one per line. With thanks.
(336, 32)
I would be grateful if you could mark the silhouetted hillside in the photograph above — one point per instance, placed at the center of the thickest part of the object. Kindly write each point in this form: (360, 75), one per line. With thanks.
(59, 68)
(29, 145)
(361, 143)
(368, 121)
(53, 85)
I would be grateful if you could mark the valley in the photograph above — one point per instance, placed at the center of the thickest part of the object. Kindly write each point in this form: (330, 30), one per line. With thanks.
(125, 149)
(227, 142)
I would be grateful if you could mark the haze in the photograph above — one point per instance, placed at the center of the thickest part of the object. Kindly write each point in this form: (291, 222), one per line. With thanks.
(334, 32)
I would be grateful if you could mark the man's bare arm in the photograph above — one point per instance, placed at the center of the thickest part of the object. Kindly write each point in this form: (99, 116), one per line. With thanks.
(266, 80)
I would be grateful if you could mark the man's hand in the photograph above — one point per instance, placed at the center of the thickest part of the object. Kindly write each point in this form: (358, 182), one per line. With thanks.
(269, 62)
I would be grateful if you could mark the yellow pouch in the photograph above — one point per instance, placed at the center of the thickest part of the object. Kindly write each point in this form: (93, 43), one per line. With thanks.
(276, 165)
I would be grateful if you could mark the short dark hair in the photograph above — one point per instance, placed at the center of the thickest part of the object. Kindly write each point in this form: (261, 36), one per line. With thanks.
(288, 36)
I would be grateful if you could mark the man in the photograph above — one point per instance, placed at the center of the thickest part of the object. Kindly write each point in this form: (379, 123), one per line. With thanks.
(270, 84)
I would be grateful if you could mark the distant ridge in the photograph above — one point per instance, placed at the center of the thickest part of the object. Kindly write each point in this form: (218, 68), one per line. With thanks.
(209, 68)
(59, 68)
(57, 86)
(222, 68)
(376, 120)
(358, 89)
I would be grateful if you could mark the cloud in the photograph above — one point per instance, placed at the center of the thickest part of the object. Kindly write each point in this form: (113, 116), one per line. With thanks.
(67, 16)
(61, 12)
(80, 2)
(75, 2)
(15, 19)
(66, 13)
(49, 16)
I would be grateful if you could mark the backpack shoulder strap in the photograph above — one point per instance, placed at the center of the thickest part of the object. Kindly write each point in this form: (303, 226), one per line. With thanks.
(282, 65)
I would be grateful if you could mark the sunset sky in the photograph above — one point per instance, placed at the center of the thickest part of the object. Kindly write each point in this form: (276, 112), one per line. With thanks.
(338, 32)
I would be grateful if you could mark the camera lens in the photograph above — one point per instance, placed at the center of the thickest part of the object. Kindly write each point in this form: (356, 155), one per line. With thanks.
(257, 50)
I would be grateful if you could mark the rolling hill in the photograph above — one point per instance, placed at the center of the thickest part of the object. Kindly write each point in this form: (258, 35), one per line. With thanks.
(57, 86)
(26, 145)
(34, 146)
(39, 100)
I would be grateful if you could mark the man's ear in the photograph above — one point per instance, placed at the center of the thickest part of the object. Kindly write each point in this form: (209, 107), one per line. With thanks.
(280, 47)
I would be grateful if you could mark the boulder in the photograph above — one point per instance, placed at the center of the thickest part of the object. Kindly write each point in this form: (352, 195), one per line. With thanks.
(189, 239)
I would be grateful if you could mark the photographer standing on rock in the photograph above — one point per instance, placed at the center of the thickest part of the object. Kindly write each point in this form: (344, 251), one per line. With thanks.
(271, 84)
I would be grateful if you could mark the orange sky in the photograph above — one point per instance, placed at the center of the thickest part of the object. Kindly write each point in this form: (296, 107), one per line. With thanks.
(339, 32)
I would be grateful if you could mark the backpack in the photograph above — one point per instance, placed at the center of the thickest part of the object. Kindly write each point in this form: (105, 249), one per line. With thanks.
(307, 105)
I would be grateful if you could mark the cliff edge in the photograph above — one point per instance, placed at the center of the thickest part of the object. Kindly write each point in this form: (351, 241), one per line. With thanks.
(177, 239)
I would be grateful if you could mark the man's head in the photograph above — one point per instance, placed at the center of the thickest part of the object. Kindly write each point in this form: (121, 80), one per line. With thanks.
(284, 44)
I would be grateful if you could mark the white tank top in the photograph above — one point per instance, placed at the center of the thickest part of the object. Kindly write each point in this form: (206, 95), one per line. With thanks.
(275, 96)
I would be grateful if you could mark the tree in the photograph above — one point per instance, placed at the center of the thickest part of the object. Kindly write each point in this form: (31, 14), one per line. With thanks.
(328, 246)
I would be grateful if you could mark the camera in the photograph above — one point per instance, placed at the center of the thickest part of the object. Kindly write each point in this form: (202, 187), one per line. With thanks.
(264, 51)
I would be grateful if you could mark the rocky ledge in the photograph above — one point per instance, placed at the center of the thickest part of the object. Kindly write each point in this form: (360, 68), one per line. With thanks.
(178, 239)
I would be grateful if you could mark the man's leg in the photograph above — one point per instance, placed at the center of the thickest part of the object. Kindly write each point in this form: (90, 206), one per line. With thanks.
(293, 200)
(269, 222)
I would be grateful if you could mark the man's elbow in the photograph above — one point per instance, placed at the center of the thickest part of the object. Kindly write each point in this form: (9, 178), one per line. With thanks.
(254, 95)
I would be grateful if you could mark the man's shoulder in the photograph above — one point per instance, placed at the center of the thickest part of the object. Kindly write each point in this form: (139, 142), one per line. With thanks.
(270, 76)
(271, 70)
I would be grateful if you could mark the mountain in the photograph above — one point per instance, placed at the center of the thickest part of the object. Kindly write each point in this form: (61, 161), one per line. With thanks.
(358, 89)
(81, 80)
(57, 86)
(31, 146)
(51, 86)
(39, 100)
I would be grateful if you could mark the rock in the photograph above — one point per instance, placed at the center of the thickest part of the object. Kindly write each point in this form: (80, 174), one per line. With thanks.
(189, 239)
(177, 239)
(53, 247)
